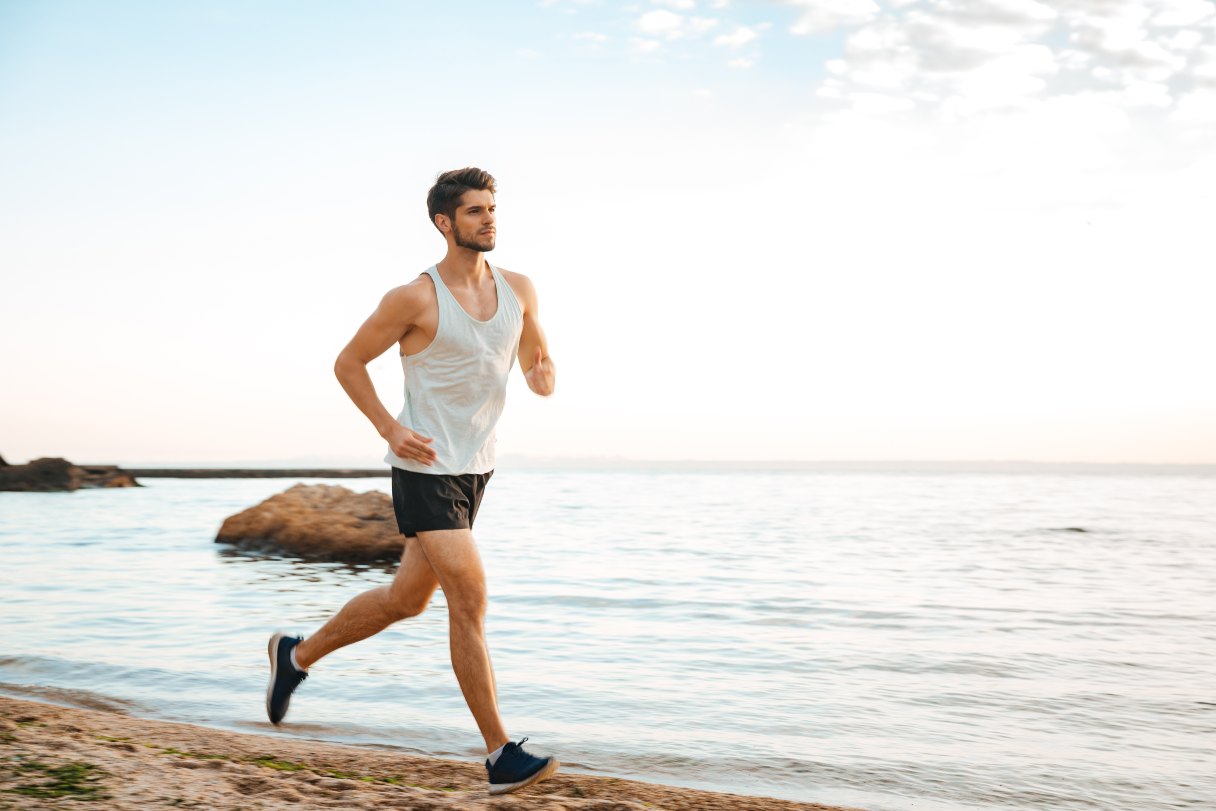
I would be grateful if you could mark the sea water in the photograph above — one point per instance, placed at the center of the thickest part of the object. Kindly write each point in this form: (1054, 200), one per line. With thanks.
(889, 641)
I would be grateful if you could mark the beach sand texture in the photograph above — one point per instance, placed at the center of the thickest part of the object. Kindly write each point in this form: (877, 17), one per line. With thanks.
(57, 757)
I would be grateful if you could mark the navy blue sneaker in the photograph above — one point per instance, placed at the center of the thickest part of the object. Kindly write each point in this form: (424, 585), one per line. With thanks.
(284, 678)
(516, 769)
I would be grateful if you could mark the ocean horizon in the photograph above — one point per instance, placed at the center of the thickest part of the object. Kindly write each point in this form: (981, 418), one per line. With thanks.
(609, 463)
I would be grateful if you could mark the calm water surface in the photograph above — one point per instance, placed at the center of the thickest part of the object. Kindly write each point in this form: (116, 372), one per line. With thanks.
(889, 641)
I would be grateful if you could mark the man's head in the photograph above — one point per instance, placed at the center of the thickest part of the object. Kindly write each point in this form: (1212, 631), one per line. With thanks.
(461, 205)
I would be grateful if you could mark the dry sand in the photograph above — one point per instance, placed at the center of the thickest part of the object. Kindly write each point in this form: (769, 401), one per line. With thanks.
(58, 757)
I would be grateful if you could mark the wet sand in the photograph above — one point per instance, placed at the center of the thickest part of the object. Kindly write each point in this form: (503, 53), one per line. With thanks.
(52, 757)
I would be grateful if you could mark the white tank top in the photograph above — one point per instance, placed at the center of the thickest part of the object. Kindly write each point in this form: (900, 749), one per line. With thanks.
(456, 387)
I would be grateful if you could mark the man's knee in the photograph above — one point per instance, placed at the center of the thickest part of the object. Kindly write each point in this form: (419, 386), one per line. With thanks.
(467, 606)
(408, 598)
(457, 565)
(408, 607)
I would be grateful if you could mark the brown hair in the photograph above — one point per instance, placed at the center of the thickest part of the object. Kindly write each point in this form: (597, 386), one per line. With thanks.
(449, 187)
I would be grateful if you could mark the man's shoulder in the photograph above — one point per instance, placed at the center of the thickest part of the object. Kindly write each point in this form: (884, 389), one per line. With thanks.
(520, 283)
(417, 293)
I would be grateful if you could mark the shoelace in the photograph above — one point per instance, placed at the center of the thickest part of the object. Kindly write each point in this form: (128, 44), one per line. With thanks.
(519, 747)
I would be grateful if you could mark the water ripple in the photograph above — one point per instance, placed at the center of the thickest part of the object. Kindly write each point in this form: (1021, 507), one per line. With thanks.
(887, 641)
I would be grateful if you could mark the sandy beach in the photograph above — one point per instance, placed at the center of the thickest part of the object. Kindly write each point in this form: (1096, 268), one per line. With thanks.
(66, 757)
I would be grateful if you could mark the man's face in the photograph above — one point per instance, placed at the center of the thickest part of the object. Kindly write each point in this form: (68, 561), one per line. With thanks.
(474, 226)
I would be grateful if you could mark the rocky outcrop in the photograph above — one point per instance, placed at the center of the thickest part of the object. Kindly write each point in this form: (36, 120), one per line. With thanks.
(55, 474)
(319, 522)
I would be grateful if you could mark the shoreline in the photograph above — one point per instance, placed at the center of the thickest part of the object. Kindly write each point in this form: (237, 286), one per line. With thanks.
(116, 761)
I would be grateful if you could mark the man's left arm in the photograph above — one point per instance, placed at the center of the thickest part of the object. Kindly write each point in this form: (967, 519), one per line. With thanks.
(534, 360)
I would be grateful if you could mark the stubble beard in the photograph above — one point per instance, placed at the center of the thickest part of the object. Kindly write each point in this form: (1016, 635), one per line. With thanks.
(482, 244)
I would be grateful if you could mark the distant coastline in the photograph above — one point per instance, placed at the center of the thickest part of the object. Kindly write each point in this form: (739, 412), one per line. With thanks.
(258, 471)
(255, 473)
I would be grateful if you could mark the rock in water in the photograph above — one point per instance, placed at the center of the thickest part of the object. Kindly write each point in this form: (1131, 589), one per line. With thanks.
(55, 474)
(319, 522)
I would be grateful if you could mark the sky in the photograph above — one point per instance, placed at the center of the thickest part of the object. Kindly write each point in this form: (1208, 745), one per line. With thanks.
(848, 229)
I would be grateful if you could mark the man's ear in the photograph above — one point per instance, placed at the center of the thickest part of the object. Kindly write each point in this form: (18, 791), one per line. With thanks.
(443, 223)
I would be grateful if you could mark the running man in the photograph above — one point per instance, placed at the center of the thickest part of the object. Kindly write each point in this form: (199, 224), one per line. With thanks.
(458, 327)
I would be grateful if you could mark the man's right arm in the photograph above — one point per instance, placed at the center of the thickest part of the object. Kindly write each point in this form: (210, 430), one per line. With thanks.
(398, 312)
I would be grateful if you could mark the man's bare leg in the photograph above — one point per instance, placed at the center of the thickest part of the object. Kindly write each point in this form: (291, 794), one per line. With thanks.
(372, 611)
(457, 565)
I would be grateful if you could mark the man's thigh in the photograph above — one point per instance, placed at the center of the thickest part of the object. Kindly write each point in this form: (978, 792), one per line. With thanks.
(415, 575)
(455, 561)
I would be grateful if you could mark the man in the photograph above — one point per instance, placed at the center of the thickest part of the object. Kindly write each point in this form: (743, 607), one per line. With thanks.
(458, 327)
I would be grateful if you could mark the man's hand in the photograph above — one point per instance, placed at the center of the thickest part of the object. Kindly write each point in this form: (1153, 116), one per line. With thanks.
(408, 444)
(542, 374)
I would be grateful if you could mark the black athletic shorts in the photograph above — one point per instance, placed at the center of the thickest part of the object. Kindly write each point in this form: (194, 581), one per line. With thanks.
(425, 502)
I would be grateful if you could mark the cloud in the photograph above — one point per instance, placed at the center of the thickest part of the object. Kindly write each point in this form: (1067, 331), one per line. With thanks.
(660, 23)
(741, 36)
(1045, 111)
(1147, 94)
(1123, 39)
(956, 59)
(1007, 81)
(671, 26)
(591, 35)
(825, 15)
(1185, 40)
(1183, 12)
(1016, 13)
(683, 5)
(741, 62)
(1203, 66)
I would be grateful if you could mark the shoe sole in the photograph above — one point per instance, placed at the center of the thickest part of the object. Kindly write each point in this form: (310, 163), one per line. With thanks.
(271, 648)
(507, 788)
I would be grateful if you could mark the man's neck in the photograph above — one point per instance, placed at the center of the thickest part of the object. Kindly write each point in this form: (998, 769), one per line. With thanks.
(464, 266)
